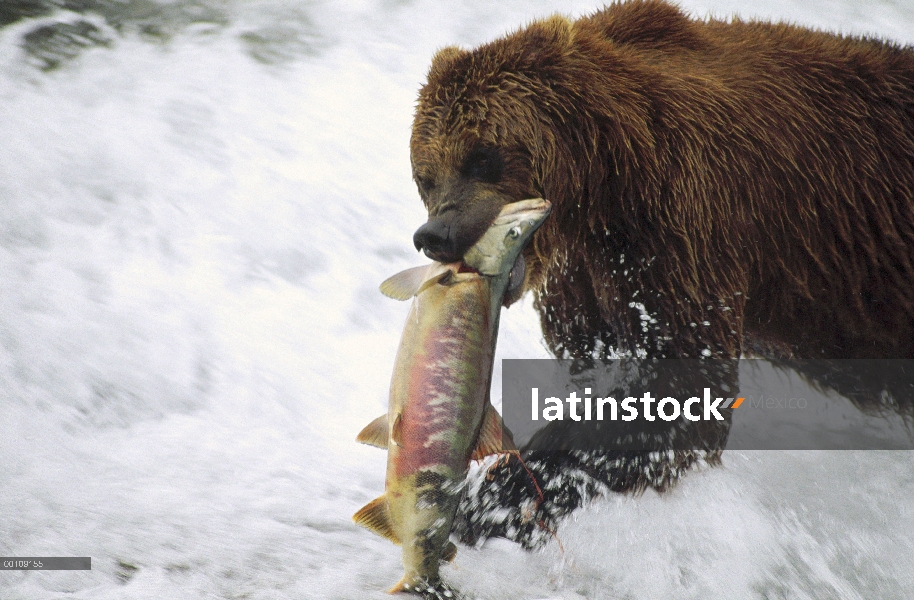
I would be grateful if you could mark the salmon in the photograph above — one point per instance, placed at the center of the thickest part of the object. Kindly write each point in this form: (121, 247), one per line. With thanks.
(440, 417)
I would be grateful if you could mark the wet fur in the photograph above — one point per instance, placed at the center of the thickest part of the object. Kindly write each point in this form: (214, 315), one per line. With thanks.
(755, 177)
(747, 186)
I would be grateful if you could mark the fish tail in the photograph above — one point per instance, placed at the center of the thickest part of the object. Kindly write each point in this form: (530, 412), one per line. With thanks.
(410, 584)
(427, 589)
(400, 586)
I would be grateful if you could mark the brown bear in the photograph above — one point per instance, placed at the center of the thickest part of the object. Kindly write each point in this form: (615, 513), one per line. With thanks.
(744, 187)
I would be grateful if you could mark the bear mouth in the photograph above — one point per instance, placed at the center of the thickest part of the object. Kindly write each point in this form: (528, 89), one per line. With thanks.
(518, 266)
(464, 268)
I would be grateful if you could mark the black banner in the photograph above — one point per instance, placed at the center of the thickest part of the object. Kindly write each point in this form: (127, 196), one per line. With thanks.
(635, 405)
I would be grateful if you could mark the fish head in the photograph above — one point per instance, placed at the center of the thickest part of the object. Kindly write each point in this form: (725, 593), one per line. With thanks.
(500, 246)
(498, 252)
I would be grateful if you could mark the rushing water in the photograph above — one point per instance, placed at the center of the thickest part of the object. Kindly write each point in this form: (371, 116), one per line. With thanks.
(199, 198)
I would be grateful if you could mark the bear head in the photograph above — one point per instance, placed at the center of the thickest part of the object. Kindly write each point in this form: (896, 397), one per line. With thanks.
(485, 120)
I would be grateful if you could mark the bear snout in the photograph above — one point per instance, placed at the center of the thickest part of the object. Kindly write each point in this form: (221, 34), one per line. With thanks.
(435, 239)
(449, 233)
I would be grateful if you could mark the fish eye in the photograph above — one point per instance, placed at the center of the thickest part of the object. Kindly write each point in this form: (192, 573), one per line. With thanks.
(514, 233)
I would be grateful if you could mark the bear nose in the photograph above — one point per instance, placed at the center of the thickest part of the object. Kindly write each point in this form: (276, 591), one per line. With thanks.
(434, 239)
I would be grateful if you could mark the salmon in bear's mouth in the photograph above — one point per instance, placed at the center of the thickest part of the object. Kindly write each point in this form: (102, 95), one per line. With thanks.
(465, 268)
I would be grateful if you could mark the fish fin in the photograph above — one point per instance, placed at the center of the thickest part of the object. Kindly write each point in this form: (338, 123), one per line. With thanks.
(440, 277)
(449, 552)
(375, 433)
(376, 517)
(494, 437)
(406, 284)
(515, 282)
(396, 432)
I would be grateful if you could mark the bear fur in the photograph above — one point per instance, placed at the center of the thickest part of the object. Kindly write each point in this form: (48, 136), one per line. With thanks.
(719, 189)
(750, 186)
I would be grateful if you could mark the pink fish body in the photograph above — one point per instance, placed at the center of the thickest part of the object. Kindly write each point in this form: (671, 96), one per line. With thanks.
(439, 416)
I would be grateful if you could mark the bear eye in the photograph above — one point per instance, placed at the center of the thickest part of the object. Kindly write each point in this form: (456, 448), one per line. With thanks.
(484, 164)
(514, 233)
(425, 184)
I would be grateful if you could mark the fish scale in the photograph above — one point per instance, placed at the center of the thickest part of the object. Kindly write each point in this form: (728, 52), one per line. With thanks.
(439, 416)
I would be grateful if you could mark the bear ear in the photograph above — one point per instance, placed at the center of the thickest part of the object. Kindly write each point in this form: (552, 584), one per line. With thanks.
(545, 42)
(444, 60)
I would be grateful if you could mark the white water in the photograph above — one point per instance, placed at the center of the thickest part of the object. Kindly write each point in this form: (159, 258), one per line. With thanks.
(190, 333)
